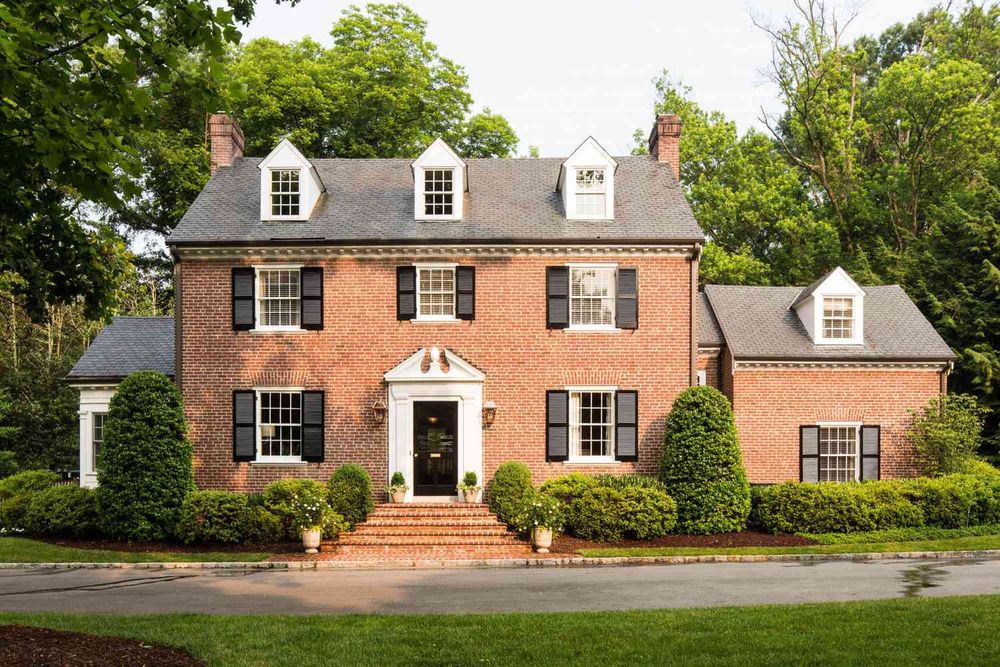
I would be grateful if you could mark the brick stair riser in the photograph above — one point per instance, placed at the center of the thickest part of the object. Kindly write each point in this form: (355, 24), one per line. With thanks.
(446, 506)
(428, 540)
(431, 530)
(433, 521)
(416, 511)
(410, 552)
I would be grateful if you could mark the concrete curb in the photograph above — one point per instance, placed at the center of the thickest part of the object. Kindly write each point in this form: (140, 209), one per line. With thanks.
(514, 562)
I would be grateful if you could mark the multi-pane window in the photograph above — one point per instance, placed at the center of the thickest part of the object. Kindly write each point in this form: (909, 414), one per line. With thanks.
(838, 317)
(96, 437)
(439, 192)
(591, 424)
(284, 192)
(436, 293)
(278, 300)
(838, 453)
(592, 296)
(280, 425)
(590, 192)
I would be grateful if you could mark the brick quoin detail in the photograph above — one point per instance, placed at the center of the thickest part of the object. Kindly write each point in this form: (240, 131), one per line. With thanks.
(362, 340)
(770, 405)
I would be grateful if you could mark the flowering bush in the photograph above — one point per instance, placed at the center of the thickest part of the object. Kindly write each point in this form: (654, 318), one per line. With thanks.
(539, 510)
(300, 504)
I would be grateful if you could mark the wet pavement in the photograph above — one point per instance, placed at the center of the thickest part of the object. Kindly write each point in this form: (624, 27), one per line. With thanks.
(485, 590)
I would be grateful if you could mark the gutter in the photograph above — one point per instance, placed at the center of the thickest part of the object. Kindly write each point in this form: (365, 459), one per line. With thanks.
(319, 241)
(693, 331)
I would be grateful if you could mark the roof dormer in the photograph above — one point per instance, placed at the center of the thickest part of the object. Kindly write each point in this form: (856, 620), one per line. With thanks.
(832, 309)
(289, 184)
(587, 183)
(440, 180)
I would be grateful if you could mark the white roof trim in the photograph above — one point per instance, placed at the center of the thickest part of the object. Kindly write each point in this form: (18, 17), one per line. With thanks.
(302, 159)
(412, 369)
(440, 143)
(613, 163)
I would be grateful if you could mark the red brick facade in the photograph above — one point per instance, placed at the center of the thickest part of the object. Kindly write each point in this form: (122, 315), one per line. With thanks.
(362, 339)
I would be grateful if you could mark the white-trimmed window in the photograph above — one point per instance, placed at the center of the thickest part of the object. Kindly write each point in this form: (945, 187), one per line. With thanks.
(285, 193)
(592, 297)
(591, 192)
(279, 426)
(278, 297)
(838, 453)
(838, 318)
(439, 192)
(96, 437)
(592, 425)
(435, 292)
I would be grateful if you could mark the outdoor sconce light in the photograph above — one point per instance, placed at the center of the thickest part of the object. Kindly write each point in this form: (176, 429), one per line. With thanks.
(489, 412)
(379, 411)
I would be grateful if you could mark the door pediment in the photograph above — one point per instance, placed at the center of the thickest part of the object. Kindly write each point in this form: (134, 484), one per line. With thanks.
(433, 364)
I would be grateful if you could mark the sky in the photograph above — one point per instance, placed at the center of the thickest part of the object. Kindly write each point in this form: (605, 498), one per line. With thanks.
(562, 70)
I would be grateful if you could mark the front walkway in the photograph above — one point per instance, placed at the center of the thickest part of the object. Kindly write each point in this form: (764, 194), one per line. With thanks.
(486, 590)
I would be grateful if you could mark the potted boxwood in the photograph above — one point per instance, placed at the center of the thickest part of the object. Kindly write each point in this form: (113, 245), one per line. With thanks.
(541, 516)
(469, 487)
(397, 487)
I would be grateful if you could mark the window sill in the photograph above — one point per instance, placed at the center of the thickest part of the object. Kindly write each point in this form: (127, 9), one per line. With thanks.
(258, 464)
(453, 320)
(257, 332)
(585, 330)
(592, 462)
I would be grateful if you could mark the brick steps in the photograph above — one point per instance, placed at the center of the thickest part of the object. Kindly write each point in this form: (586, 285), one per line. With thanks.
(434, 521)
(467, 531)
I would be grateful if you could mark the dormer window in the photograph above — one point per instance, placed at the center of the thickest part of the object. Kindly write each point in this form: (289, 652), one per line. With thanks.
(590, 192)
(838, 317)
(284, 193)
(439, 192)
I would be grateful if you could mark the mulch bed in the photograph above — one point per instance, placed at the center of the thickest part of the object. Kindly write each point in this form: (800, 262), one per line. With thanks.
(747, 538)
(170, 547)
(23, 645)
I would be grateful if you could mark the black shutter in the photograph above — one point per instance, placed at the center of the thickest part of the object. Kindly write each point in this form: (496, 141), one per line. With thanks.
(312, 426)
(809, 453)
(242, 298)
(557, 292)
(556, 425)
(406, 292)
(312, 297)
(871, 437)
(626, 425)
(465, 292)
(244, 426)
(627, 300)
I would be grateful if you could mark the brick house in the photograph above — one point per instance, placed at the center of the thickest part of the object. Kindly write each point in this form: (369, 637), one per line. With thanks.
(439, 315)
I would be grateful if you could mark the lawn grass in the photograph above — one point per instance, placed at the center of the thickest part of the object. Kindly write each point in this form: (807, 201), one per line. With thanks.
(974, 543)
(953, 631)
(23, 550)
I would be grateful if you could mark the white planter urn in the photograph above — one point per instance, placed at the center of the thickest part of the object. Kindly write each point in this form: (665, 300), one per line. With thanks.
(310, 540)
(542, 539)
(398, 496)
(470, 495)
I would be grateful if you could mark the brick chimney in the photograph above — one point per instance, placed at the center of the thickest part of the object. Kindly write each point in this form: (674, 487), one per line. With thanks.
(665, 141)
(224, 138)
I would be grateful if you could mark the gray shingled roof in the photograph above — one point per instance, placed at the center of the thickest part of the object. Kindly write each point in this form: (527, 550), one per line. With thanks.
(126, 345)
(709, 333)
(371, 201)
(757, 323)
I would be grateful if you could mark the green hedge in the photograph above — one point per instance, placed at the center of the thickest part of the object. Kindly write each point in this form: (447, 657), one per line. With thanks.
(16, 493)
(953, 501)
(213, 517)
(282, 499)
(903, 534)
(350, 493)
(568, 488)
(607, 514)
(67, 510)
(702, 465)
(510, 484)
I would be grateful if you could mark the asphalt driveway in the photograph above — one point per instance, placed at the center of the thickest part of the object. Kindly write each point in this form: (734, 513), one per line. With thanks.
(498, 590)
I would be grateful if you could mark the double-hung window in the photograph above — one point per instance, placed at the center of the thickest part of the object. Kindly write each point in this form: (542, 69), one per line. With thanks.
(96, 437)
(278, 298)
(838, 453)
(838, 318)
(279, 428)
(591, 192)
(591, 425)
(439, 192)
(592, 297)
(435, 292)
(285, 193)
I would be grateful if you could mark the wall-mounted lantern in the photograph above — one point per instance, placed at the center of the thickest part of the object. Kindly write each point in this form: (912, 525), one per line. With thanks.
(379, 411)
(489, 412)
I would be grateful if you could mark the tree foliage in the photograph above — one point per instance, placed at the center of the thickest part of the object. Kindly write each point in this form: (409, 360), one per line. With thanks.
(946, 433)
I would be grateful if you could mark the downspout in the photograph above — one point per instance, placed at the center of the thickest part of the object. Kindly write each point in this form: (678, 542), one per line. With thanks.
(178, 335)
(944, 377)
(695, 257)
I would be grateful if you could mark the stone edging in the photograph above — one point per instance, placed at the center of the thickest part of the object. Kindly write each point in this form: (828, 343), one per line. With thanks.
(568, 561)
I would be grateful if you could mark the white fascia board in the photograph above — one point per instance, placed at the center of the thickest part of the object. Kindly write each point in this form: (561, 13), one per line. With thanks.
(286, 156)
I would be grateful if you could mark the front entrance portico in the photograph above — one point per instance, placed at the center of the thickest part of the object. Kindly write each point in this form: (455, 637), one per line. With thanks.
(432, 443)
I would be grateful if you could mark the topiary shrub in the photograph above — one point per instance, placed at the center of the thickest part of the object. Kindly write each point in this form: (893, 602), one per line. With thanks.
(67, 510)
(568, 488)
(350, 493)
(8, 463)
(213, 517)
(285, 498)
(145, 470)
(607, 514)
(702, 466)
(16, 492)
(510, 483)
